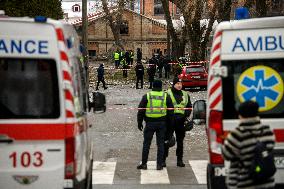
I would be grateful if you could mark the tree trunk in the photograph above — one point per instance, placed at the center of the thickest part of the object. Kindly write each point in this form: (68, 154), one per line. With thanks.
(113, 23)
(196, 32)
(204, 43)
(226, 14)
(171, 30)
(261, 8)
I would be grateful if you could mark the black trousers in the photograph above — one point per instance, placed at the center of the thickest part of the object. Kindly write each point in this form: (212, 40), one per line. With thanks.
(178, 129)
(139, 80)
(160, 71)
(151, 80)
(124, 71)
(154, 127)
(117, 63)
(167, 72)
(101, 79)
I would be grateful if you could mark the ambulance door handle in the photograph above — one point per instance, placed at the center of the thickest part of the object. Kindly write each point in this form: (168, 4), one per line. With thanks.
(5, 139)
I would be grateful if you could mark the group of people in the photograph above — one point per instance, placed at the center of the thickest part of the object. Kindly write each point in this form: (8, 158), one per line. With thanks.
(125, 59)
(160, 62)
(164, 114)
(156, 64)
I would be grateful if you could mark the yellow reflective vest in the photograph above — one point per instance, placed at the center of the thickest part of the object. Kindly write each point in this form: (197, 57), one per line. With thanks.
(116, 56)
(157, 104)
(182, 104)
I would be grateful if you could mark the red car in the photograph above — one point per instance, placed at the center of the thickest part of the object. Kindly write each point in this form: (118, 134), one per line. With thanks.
(194, 76)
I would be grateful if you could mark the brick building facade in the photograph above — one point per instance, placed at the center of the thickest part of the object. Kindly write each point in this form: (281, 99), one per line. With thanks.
(154, 9)
(142, 32)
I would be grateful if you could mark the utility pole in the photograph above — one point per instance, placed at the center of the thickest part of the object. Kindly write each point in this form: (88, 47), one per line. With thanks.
(85, 44)
(85, 39)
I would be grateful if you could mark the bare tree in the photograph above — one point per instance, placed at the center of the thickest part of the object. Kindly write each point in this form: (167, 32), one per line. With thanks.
(178, 39)
(114, 16)
(193, 30)
(261, 7)
(224, 10)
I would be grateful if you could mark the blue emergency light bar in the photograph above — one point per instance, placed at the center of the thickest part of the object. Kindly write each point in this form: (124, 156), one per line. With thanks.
(241, 13)
(41, 19)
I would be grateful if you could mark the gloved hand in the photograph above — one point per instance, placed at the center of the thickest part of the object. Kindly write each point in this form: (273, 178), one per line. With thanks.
(140, 126)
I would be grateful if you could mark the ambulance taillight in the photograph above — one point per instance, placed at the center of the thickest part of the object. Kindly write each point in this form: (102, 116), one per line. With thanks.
(70, 159)
(216, 137)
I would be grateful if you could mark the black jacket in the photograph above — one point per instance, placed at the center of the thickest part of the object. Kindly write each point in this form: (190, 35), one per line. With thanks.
(139, 69)
(101, 72)
(239, 148)
(139, 55)
(141, 115)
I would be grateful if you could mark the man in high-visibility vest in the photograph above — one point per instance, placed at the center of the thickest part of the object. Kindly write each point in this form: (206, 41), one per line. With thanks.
(124, 66)
(131, 57)
(153, 110)
(180, 99)
(116, 58)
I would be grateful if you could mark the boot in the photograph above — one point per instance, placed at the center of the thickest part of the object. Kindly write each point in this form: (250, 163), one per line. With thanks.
(142, 166)
(164, 164)
(159, 167)
(180, 164)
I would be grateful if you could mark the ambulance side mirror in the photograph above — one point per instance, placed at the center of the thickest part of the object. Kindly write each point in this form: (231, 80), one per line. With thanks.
(99, 102)
(199, 112)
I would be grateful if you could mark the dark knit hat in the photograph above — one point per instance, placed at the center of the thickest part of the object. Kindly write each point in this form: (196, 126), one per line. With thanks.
(157, 84)
(176, 79)
(248, 109)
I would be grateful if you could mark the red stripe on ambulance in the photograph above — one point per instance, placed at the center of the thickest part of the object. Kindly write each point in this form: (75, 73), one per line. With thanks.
(54, 131)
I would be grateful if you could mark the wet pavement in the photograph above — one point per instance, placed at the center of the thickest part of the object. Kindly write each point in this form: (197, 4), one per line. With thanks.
(116, 138)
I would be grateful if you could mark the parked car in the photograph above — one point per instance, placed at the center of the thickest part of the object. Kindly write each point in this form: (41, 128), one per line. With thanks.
(194, 76)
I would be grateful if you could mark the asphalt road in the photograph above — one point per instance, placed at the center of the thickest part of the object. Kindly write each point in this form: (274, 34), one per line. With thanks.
(118, 145)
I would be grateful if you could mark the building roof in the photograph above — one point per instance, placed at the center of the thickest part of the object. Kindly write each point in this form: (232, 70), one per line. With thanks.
(95, 16)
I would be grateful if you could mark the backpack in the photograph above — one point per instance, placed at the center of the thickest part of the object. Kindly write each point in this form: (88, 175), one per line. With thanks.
(262, 167)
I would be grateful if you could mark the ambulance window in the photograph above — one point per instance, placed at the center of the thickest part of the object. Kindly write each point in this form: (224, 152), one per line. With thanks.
(80, 104)
(83, 84)
(29, 89)
(258, 80)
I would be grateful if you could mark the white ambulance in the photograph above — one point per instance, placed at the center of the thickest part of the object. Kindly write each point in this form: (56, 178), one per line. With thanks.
(44, 141)
(247, 63)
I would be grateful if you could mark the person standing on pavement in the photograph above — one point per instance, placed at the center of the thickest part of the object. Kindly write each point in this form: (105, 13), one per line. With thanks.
(156, 121)
(116, 58)
(152, 70)
(131, 55)
(139, 69)
(167, 66)
(124, 67)
(239, 148)
(139, 55)
(127, 57)
(101, 74)
(160, 64)
(180, 99)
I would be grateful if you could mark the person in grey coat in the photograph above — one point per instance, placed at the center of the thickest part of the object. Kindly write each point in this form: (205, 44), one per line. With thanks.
(239, 148)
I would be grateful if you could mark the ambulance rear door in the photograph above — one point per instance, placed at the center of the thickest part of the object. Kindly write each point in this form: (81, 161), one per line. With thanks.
(32, 128)
(254, 61)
